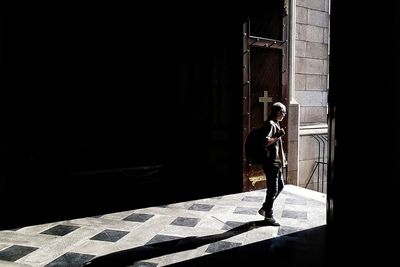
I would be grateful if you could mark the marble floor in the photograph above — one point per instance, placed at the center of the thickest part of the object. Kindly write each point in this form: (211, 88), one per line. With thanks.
(171, 234)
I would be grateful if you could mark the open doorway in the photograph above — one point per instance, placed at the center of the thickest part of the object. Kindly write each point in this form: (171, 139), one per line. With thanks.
(286, 59)
(265, 75)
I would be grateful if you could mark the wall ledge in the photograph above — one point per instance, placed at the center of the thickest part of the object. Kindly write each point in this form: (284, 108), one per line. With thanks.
(316, 128)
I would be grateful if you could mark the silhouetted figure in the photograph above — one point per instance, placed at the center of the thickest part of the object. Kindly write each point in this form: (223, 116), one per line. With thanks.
(275, 160)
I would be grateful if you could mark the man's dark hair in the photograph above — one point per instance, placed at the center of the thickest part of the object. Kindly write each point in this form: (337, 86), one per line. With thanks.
(276, 108)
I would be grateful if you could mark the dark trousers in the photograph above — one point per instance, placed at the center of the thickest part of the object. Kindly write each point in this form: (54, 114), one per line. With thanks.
(273, 173)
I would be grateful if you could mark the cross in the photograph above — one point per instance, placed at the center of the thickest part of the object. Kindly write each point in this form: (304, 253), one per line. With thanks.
(265, 100)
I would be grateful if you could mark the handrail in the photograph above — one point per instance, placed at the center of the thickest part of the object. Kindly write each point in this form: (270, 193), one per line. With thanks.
(322, 140)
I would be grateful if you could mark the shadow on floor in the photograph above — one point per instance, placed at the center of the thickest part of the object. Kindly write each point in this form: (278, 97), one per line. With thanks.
(304, 248)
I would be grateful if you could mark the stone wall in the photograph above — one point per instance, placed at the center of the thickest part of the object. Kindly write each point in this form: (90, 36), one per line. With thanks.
(311, 73)
(311, 89)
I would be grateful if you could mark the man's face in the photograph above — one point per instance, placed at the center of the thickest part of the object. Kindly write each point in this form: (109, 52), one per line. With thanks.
(281, 115)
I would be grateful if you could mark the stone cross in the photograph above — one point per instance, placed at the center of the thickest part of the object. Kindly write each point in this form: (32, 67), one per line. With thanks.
(265, 100)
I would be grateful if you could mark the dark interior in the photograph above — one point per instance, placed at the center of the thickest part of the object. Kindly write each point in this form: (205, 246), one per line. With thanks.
(108, 109)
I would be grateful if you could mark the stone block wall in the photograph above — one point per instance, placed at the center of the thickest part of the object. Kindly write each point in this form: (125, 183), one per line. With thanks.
(312, 60)
(311, 88)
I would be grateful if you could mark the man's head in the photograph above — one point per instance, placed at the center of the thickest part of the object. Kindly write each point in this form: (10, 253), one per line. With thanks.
(278, 111)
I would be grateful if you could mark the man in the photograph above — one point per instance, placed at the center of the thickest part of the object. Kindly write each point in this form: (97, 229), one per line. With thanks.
(274, 162)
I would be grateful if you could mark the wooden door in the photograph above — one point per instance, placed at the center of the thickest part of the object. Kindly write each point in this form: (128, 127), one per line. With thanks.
(265, 75)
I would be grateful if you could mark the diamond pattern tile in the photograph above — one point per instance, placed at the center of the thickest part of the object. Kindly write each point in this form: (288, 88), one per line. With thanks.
(253, 199)
(201, 207)
(284, 230)
(162, 238)
(232, 224)
(110, 235)
(294, 214)
(296, 201)
(247, 211)
(138, 217)
(221, 245)
(15, 252)
(143, 264)
(185, 221)
(203, 226)
(70, 259)
(60, 230)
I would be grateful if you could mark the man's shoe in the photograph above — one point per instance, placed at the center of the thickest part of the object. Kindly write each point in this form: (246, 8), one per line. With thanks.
(271, 221)
(261, 212)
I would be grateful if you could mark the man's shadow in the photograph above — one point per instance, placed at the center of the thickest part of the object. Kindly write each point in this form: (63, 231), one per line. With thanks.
(148, 251)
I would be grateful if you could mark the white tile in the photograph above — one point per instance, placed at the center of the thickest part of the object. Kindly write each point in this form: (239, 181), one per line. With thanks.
(59, 246)
(12, 264)
(210, 224)
(31, 240)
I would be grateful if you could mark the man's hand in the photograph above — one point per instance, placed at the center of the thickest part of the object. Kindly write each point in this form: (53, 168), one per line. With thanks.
(280, 133)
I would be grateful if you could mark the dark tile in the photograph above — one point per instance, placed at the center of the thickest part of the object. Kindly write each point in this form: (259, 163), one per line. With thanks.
(15, 252)
(296, 201)
(284, 230)
(138, 217)
(70, 259)
(110, 235)
(221, 245)
(143, 264)
(294, 214)
(253, 199)
(201, 207)
(294, 195)
(310, 201)
(60, 230)
(185, 221)
(162, 206)
(232, 224)
(315, 203)
(247, 211)
(162, 238)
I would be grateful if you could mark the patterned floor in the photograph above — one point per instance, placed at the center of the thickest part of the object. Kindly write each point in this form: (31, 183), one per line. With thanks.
(162, 235)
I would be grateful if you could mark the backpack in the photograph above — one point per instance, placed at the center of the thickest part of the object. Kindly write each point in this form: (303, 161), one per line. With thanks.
(255, 150)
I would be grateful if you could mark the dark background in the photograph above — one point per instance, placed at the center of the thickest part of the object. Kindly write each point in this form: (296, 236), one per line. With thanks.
(102, 89)
(363, 96)
(107, 109)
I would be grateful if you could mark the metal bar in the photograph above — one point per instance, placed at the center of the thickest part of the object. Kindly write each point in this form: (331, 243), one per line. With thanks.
(323, 166)
(323, 158)
(283, 43)
(255, 41)
(265, 42)
(286, 169)
(315, 167)
(248, 75)
(266, 39)
(319, 159)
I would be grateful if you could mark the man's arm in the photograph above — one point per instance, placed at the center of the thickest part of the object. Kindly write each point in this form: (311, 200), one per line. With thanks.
(271, 140)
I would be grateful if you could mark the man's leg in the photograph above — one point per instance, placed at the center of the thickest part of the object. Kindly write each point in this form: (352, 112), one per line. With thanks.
(281, 184)
(274, 184)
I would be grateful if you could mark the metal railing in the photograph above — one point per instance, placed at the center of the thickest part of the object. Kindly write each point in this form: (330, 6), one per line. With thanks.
(322, 140)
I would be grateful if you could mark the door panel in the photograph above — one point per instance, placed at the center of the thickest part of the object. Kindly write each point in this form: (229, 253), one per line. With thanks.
(265, 65)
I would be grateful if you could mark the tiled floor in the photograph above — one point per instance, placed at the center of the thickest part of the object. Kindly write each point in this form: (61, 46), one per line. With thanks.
(162, 235)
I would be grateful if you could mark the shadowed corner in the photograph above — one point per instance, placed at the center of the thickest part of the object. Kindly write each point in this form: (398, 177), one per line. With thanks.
(302, 248)
(148, 251)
